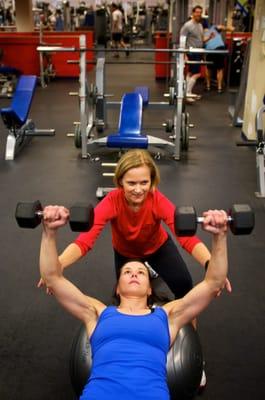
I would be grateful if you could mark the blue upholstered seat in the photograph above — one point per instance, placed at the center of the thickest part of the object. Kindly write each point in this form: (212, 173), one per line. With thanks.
(144, 92)
(130, 124)
(16, 115)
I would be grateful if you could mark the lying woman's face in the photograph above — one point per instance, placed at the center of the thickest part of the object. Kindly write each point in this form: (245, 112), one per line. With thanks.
(134, 280)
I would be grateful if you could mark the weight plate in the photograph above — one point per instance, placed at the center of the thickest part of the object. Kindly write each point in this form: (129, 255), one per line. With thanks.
(78, 138)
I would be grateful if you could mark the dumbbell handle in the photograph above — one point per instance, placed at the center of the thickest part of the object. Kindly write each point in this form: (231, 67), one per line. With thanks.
(200, 220)
(39, 213)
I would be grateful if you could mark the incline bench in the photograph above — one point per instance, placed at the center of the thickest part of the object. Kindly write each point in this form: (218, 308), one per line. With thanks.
(21, 129)
(130, 124)
(129, 135)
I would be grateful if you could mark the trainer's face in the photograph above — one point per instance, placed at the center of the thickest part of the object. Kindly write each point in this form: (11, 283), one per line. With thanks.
(136, 184)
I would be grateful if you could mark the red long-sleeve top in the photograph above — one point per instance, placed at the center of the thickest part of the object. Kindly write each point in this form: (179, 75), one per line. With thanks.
(134, 233)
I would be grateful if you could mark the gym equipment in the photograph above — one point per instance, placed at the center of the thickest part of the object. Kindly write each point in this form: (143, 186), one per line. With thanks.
(237, 95)
(29, 215)
(8, 80)
(144, 92)
(130, 124)
(184, 363)
(21, 129)
(260, 151)
(99, 108)
(241, 220)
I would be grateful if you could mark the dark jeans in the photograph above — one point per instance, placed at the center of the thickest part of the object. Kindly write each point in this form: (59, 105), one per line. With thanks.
(169, 265)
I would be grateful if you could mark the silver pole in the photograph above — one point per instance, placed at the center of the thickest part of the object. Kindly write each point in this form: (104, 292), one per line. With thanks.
(82, 95)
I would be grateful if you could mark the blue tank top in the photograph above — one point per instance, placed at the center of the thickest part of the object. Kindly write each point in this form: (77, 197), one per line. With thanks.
(129, 354)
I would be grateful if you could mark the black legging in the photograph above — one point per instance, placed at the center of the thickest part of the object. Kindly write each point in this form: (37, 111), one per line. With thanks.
(169, 265)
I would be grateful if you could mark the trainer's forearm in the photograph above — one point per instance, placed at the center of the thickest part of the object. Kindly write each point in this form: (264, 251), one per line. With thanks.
(70, 255)
(201, 253)
(49, 262)
(218, 265)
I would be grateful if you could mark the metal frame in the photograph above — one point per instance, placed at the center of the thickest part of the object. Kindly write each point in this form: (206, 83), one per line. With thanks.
(260, 153)
(18, 138)
(238, 97)
(87, 123)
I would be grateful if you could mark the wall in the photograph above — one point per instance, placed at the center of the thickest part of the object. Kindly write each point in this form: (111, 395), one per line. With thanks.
(256, 77)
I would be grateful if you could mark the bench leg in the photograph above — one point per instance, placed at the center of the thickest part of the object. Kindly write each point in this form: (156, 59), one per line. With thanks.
(14, 144)
(10, 147)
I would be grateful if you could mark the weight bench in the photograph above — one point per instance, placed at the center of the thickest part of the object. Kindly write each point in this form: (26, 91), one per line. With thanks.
(21, 129)
(130, 124)
(144, 92)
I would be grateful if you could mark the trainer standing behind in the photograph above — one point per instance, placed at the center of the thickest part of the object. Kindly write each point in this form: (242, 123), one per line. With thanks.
(136, 210)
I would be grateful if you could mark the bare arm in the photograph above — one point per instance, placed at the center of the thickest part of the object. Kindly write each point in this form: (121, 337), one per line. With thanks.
(69, 296)
(201, 253)
(184, 310)
(70, 255)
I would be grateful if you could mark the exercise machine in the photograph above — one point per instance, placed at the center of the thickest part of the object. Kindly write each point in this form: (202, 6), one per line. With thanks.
(20, 128)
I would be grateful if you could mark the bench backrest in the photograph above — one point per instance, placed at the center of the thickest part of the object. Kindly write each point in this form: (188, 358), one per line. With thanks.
(16, 115)
(144, 92)
(130, 122)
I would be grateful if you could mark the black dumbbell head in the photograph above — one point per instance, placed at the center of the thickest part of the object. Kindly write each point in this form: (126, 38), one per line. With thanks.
(185, 221)
(81, 217)
(243, 219)
(26, 214)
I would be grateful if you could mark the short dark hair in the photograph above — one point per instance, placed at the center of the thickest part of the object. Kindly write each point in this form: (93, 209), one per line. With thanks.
(195, 8)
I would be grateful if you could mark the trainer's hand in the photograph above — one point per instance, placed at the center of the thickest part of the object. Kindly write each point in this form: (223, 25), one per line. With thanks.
(55, 217)
(42, 284)
(215, 221)
(227, 286)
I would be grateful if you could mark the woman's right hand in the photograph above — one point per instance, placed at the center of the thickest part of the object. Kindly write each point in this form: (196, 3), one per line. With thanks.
(55, 217)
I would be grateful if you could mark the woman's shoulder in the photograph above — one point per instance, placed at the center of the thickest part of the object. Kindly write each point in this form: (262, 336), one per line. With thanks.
(159, 196)
(115, 194)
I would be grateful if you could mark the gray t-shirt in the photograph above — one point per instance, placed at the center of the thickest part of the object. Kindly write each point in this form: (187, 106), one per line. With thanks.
(194, 33)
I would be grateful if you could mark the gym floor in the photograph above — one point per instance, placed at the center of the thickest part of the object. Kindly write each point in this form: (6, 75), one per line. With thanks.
(36, 334)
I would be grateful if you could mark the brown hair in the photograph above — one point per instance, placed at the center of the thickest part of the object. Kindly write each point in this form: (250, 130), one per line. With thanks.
(134, 159)
(197, 7)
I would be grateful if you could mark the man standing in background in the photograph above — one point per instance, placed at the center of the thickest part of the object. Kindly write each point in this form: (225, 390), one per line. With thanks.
(193, 30)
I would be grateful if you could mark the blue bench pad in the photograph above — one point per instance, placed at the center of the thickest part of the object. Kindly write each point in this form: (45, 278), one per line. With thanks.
(9, 70)
(17, 114)
(130, 124)
(144, 92)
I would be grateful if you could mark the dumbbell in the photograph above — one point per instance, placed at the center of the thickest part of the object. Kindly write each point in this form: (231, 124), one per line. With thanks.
(29, 215)
(241, 220)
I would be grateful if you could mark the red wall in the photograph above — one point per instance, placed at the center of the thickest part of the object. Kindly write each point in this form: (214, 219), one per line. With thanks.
(20, 51)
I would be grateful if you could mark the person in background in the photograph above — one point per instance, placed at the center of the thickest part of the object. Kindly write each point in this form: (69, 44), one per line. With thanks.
(117, 29)
(193, 31)
(217, 60)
